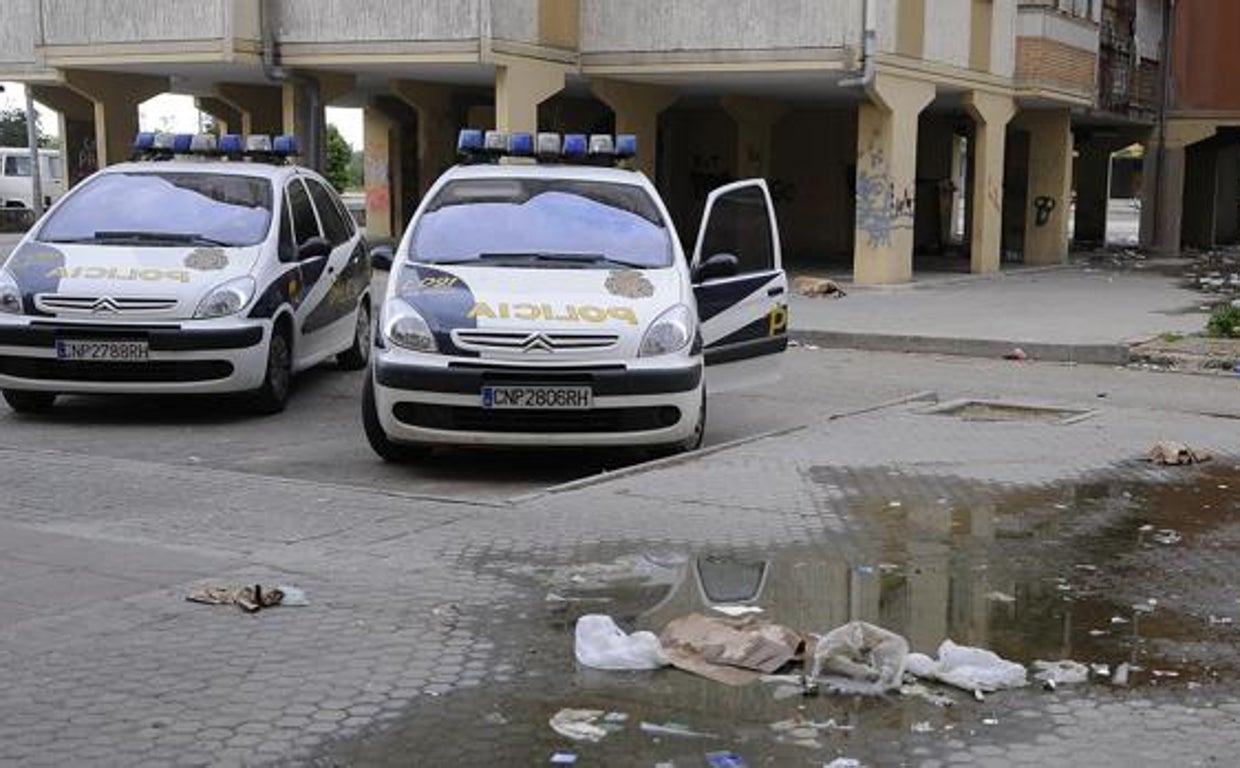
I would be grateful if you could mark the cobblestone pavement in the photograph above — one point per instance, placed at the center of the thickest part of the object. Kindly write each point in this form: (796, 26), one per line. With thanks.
(429, 635)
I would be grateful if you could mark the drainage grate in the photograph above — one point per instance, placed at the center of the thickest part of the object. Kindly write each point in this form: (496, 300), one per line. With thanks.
(993, 410)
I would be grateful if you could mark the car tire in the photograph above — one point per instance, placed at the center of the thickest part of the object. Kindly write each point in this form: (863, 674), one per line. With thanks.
(389, 451)
(357, 356)
(272, 396)
(25, 401)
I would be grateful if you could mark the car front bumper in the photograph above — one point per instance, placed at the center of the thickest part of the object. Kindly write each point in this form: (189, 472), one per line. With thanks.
(433, 400)
(210, 356)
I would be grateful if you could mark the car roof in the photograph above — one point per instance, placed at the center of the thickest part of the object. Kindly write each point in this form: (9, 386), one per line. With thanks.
(223, 168)
(546, 171)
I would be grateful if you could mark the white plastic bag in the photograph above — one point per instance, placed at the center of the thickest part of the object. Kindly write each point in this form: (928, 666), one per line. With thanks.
(972, 669)
(1066, 672)
(603, 645)
(861, 658)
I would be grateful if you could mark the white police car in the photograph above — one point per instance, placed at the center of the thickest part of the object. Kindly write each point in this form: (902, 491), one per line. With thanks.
(548, 302)
(197, 268)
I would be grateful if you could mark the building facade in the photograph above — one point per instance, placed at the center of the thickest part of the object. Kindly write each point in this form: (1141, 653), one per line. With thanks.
(896, 134)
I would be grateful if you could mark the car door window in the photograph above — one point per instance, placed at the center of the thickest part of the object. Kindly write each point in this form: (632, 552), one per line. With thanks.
(334, 226)
(740, 224)
(305, 225)
(288, 247)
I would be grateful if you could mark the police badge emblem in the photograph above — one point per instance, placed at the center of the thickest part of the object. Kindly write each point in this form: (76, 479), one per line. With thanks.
(629, 283)
(206, 259)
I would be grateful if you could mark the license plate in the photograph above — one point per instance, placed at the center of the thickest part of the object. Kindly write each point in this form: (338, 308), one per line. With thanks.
(103, 351)
(537, 398)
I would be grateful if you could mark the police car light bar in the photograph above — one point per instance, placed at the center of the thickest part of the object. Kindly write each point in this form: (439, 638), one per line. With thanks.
(258, 147)
(479, 146)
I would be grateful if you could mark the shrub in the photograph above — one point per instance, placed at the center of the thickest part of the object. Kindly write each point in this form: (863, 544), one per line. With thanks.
(1224, 322)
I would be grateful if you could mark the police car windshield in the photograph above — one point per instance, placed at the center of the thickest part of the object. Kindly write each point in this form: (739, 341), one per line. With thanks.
(564, 223)
(162, 209)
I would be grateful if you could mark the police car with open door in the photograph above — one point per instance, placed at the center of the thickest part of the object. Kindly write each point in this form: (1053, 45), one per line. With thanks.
(541, 297)
(198, 268)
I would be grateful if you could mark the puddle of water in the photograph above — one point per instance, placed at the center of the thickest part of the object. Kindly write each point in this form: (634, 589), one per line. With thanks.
(1049, 574)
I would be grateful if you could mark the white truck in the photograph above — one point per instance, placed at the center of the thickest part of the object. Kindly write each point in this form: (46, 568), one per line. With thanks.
(16, 184)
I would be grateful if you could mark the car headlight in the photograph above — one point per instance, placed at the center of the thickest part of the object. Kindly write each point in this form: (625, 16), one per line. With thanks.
(10, 294)
(227, 299)
(404, 327)
(671, 332)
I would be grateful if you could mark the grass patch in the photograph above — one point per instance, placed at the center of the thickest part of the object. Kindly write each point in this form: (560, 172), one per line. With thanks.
(1171, 338)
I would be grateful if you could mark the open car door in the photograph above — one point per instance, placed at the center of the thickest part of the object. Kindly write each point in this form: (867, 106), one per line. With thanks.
(741, 287)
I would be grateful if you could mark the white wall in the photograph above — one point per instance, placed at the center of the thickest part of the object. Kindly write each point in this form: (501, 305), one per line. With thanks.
(85, 22)
(680, 25)
(947, 32)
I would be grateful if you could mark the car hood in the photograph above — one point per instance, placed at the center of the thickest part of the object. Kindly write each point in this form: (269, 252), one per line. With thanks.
(161, 283)
(539, 314)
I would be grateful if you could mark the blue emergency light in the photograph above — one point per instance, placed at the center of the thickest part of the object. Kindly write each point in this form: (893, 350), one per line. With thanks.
(479, 146)
(149, 145)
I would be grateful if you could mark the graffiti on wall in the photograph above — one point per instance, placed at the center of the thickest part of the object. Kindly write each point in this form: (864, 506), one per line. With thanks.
(881, 208)
(375, 173)
(1043, 207)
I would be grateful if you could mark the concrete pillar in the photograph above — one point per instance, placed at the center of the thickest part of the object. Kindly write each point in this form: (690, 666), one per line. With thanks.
(304, 100)
(259, 108)
(637, 107)
(437, 127)
(1050, 186)
(991, 113)
(376, 151)
(227, 117)
(755, 118)
(1091, 177)
(1162, 192)
(886, 178)
(520, 86)
(77, 129)
(115, 98)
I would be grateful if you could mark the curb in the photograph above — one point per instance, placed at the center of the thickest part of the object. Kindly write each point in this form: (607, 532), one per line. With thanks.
(1089, 354)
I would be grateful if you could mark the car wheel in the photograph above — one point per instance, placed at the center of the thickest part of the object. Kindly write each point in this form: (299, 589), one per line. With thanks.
(272, 396)
(29, 402)
(357, 356)
(395, 453)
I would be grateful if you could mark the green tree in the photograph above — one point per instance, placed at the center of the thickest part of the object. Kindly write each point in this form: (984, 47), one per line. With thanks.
(339, 157)
(13, 127)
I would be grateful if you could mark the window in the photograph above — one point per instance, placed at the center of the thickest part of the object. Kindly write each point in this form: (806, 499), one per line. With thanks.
(52, 163)
(543, 217)
(17, 165)
(740, 224)
(287, 249)
(335, 228)
(228, 209)
(305, 225)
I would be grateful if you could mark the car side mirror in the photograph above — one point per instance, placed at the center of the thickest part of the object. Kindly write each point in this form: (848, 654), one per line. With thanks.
(314, 248)
(381, 257)
(717, 266)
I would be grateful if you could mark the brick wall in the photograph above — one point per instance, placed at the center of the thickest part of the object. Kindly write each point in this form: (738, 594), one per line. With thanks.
(1041, 61)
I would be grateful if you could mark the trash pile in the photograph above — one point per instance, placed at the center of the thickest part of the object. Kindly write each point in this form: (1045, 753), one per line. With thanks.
(857, 658)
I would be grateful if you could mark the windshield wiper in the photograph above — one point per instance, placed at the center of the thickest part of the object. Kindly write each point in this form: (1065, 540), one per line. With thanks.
(546, 256)
(156, 237)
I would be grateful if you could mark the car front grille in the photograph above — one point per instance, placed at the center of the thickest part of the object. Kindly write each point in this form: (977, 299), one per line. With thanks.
(102, 306)
(477, 340)
(150, 371)
(468, 419)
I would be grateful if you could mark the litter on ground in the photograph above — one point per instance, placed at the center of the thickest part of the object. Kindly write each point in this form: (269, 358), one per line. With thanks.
(1170, 453)
(579, 724)
(967, 668)
(860, 657)
(674, 729)
(603, 645)
(249, 598)
(1064, 672)
(731, 651)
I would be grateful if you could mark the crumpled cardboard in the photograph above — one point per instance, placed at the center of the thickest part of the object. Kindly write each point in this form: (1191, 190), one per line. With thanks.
(1171, 453)
(730, 651)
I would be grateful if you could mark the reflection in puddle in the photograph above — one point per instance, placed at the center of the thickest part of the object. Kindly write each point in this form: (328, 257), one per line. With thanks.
(1069, 572)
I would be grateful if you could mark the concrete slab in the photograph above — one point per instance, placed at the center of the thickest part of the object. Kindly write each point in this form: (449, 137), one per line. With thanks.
(1078, 314)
